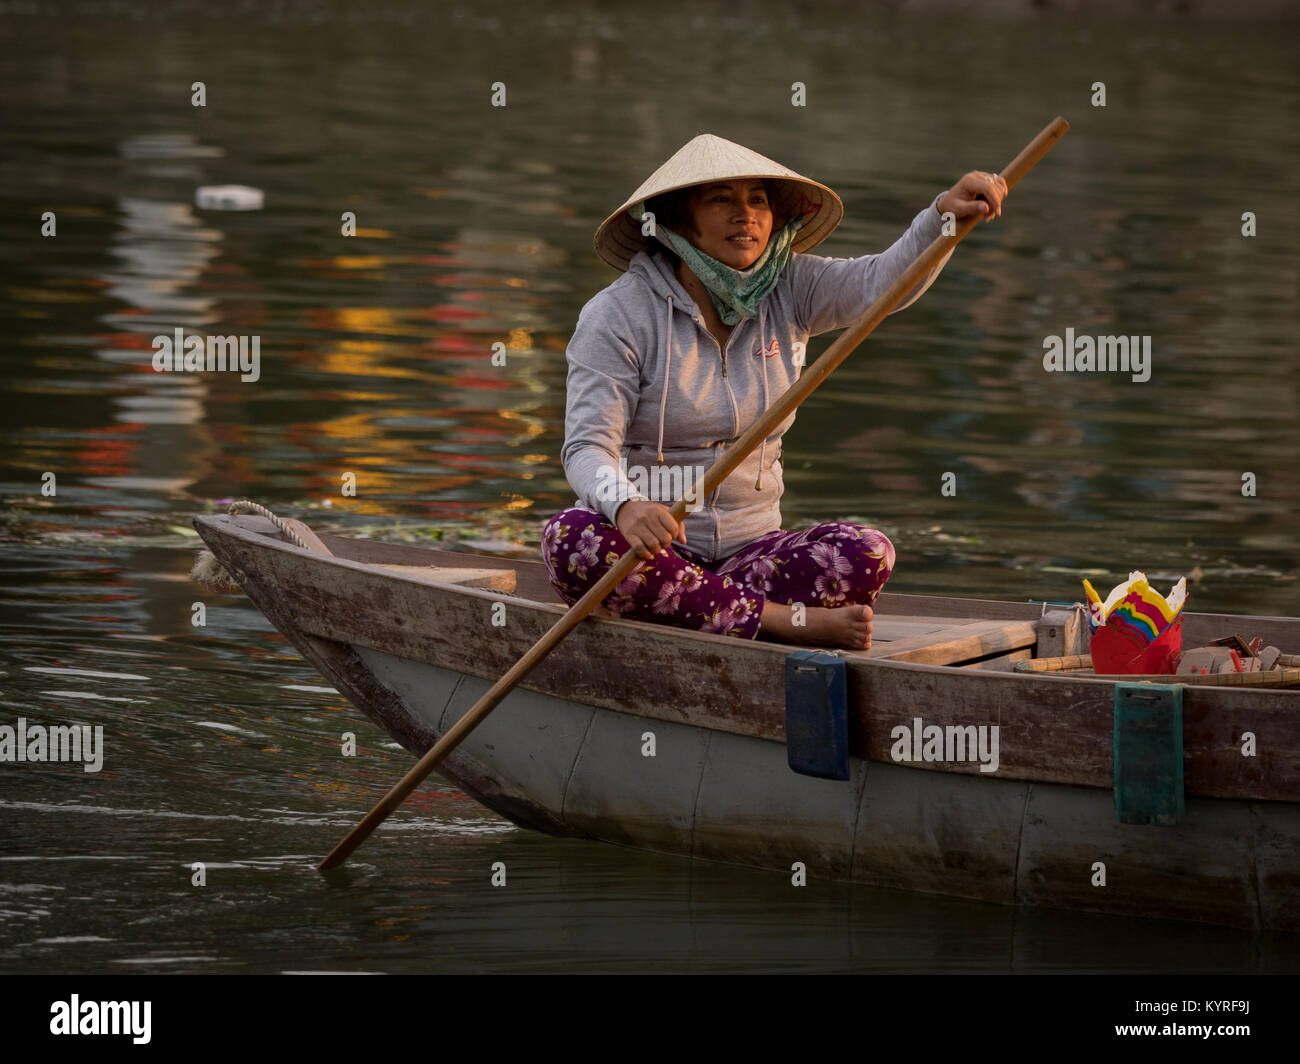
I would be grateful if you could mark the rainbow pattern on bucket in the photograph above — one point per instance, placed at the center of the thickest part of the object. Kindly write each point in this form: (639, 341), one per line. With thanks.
(1136, 605)
(1136, 629)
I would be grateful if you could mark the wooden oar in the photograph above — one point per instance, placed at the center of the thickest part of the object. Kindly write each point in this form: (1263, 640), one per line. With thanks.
(812, 377)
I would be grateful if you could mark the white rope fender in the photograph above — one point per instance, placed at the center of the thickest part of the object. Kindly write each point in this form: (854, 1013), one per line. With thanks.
(247, 506)
(210, 572)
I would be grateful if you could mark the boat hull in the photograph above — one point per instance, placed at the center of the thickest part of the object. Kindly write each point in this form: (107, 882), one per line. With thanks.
(558, 766)
(573, 755)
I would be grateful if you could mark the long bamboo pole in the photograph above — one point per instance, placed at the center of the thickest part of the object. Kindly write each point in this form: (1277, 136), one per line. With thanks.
(808, 382)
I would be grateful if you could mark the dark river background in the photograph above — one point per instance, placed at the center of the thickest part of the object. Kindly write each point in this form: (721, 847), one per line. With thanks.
(474, 227)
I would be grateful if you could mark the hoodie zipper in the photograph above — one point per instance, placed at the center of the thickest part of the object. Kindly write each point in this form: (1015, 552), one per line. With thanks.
(721, 350)
(712, 500)
(735, 410)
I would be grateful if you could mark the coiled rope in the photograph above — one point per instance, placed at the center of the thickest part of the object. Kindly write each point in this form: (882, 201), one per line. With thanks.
(247, 506)
(211, 573)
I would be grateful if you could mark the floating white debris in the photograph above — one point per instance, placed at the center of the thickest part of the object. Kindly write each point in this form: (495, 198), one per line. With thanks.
(229, 198)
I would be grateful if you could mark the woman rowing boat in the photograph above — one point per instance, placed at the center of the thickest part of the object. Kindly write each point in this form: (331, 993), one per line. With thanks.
(674, 360)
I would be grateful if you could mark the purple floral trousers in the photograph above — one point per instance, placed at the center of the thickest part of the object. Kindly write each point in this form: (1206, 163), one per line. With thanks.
(831, 564)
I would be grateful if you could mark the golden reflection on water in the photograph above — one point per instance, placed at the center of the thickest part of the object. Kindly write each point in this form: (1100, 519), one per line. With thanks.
(354, 359)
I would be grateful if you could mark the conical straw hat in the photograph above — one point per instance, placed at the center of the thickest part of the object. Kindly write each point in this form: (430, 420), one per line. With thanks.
(710, 158)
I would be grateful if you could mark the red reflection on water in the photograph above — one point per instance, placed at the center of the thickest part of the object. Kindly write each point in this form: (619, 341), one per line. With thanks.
(445, 312)
(110, 452)
(471, 380)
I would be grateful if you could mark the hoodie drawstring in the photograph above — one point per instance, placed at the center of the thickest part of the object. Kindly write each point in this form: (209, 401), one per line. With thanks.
(668, 365)
(762, 357)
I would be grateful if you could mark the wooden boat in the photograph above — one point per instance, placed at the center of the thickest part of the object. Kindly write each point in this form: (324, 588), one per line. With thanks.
(413, 636)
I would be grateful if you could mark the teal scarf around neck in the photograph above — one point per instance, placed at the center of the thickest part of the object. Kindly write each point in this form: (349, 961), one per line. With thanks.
(736, 294)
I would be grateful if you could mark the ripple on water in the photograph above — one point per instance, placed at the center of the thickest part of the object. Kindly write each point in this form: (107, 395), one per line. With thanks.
(85, 672)
(453, 825)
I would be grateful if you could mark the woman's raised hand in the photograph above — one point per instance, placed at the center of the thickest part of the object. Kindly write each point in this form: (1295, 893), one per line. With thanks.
(648, 526)
(979, 192)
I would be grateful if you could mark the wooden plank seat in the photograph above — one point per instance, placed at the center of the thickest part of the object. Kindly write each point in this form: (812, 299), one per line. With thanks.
(961, 642)
(889, 628)
(492, 579)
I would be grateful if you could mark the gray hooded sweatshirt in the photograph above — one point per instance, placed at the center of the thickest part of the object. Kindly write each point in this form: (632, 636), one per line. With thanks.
(646, 378)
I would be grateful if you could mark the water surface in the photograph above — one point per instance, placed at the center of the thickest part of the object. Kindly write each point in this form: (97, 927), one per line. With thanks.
(474, 227)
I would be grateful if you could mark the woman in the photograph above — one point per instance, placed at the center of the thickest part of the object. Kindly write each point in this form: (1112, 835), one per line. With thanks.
(674, 360)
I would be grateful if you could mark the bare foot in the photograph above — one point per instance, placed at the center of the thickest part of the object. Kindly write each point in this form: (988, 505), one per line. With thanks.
(837, 626)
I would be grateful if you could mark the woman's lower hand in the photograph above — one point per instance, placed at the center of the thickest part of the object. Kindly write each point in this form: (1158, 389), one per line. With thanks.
(648, 526)
(978, 192)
